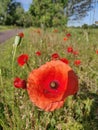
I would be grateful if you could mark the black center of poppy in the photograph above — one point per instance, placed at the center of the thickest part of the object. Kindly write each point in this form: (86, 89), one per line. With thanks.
(54, 85)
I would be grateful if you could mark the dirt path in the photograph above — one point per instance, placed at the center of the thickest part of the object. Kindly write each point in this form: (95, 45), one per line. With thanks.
(8, 34)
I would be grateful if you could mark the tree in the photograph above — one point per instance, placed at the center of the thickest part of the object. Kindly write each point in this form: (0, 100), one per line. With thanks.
(51, 12)
(47, 13)
(19, 14)
(77, 9)
(3, 10)
(27, 19)
(10, 12)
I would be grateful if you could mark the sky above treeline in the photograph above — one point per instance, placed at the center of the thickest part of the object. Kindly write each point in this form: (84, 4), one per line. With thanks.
(91, 17)
(25, 4)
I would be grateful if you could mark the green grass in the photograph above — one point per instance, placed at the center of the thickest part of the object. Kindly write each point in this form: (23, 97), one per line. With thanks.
(4, 28)
(80, 112)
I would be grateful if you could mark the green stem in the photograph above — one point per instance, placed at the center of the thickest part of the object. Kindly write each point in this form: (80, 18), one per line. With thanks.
(13, 58)
(28, 66)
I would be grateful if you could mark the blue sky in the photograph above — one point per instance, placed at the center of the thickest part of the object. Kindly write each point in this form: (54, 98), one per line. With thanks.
(89, 19)
(25, 4)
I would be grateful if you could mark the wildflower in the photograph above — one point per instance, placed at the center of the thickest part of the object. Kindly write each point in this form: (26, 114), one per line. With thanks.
(38, 53)
(55, 56)
(49, 85)
(22, 59)
(75, 53)
(68, 35)
(65, 38)
(21, 34)
(64, 60)
(69, 49)
(77, 62)
(19, 83)
(96, 51)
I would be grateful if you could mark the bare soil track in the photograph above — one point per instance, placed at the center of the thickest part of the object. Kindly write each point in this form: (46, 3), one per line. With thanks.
(8, 34)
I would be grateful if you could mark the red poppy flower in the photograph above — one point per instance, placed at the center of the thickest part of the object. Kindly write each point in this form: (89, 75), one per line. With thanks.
(55, 30)
(77, 62)
(96, 51)
(19, 83)
(69, 49)
(55, 56)
(68, 35)
(75, 53)
(38, 31)
(38, 53)
(22, 59)
(21, 34)
(49, 85)
(64, 60)
(65, 38)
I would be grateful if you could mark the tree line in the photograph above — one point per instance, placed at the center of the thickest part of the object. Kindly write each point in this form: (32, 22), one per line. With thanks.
(44, 13)
(12, 13)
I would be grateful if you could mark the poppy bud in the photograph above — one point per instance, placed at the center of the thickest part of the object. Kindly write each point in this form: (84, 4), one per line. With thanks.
(19, 83)
(17, 40)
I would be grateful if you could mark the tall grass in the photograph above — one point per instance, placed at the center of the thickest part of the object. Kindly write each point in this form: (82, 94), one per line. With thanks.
(80, 112)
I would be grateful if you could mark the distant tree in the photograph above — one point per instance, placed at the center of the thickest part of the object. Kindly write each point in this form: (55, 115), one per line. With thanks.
(93, 26)
(78, 8)
(3, 10)
(85, 26)
(47, 13)
(12, 14)
(27, 19)
(19, 14)
(51, 12)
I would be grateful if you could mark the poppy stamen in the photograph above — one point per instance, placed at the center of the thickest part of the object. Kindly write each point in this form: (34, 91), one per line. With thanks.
(54, 85)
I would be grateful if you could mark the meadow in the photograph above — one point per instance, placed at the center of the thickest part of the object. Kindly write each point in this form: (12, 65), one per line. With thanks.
(80, 111)
(3, 28)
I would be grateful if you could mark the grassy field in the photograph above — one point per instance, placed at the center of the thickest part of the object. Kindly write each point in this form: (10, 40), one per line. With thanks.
(4, 28)
(80, 112)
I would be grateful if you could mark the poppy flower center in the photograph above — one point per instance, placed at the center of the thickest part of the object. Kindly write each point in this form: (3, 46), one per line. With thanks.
(54, 84)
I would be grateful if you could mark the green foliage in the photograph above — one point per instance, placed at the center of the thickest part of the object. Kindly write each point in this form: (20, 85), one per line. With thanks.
(22, 18)
(8, 12)
(43, 13)
(85, 26)
(27, 19)
(3, 10)
(47, 13)
(12, 13)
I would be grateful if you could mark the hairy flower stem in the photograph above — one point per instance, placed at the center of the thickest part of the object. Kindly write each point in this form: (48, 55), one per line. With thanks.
(13, 58)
